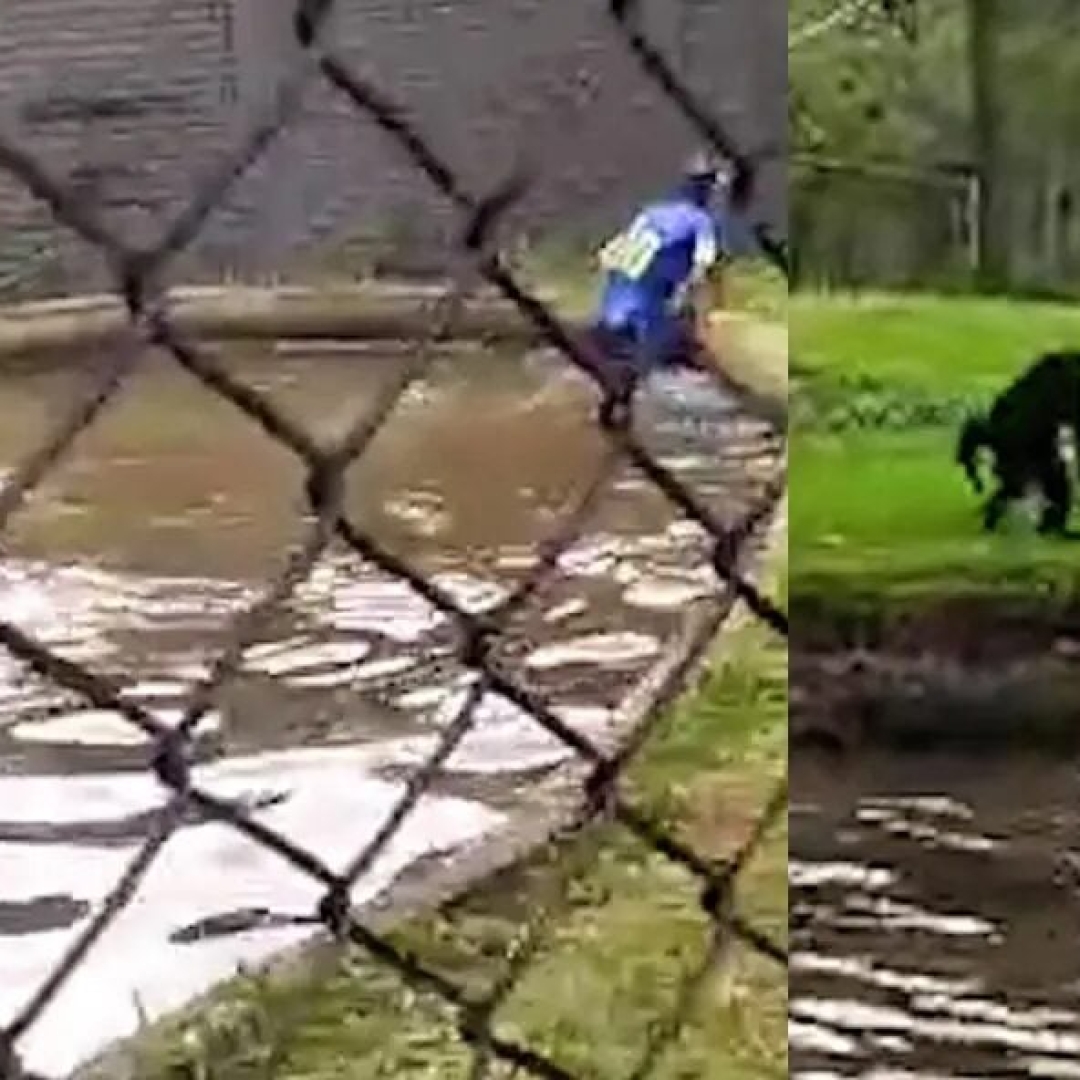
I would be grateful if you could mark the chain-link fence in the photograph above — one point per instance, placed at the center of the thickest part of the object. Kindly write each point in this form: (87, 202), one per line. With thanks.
(139, 273)
(325, 197)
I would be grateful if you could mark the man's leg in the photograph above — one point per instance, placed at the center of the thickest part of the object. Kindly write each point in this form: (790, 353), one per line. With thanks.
(670, 344)
(614, 353)
(694, 354)
(611, 350)
(674, 345)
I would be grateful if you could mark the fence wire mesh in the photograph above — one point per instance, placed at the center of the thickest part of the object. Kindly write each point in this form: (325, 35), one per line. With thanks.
(140, 275)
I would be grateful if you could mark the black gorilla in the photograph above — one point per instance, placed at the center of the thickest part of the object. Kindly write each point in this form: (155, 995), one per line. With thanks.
(1022, 430)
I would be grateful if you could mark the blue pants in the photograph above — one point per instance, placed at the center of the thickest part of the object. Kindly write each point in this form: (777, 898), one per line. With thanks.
(626, 357)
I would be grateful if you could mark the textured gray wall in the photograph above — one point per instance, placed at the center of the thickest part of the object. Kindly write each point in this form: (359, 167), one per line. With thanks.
(137, 99)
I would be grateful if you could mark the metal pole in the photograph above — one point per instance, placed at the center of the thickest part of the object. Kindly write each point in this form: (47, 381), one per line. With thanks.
(974, 216)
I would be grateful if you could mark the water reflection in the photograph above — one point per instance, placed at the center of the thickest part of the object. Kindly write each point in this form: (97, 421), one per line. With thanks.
(135, 557)
(149, 962)
(158, 530)
(932, 920)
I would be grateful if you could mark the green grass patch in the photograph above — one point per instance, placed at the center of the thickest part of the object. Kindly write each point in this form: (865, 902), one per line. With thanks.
(880, 513)
(619, 928)
(943, 345)
(886, 513)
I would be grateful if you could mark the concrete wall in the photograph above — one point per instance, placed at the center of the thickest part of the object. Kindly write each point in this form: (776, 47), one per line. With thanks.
(137, 99)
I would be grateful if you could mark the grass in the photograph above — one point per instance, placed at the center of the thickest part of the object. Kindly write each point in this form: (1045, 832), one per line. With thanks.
(925, 342)
(886, 514)
(878, 509)
(623, 927)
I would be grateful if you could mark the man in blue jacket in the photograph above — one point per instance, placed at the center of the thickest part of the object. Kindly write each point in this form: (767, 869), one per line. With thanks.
(645, 316)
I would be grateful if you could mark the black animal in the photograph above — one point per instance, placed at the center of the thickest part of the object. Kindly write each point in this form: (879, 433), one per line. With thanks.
(1022, 430)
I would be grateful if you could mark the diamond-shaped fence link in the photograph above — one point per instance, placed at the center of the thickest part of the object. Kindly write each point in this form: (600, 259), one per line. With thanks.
(138, 274)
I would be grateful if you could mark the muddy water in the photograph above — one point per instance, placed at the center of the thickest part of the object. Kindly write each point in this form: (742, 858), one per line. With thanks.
(936, 909)
(137, 554)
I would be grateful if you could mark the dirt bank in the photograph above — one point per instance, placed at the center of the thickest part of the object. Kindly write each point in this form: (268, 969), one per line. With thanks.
(980, 627)
(977, 673)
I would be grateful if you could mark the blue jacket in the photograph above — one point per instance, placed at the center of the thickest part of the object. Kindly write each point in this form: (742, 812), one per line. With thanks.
(649, 266)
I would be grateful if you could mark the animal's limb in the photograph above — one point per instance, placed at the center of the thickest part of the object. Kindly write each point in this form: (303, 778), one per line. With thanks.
(1011, 485)
(1054, 480)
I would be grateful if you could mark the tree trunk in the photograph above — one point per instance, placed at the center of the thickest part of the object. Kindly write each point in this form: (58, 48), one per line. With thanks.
(990, 225)
(1051, 223)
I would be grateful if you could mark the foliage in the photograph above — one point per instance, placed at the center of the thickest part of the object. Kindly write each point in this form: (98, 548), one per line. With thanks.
(863, 95)
(862, 91)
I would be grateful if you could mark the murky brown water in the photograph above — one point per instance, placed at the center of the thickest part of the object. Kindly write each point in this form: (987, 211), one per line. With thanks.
(161, 527)
(137, 554)
(936, 910)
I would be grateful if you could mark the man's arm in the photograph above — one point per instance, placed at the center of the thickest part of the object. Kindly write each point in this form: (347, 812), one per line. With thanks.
(711, 257)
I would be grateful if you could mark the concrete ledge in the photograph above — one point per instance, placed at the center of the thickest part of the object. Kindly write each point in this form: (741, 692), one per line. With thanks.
(751, 355)
(393, 313)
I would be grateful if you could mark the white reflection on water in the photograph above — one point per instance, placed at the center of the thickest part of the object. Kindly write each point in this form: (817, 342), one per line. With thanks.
(894, 823)
(326, 800)
(856, 1012)
(884, 913)
(329, 800)
(866, 971)
(598, 650)
(813, 874)
(100, 727)
(849, 1014)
